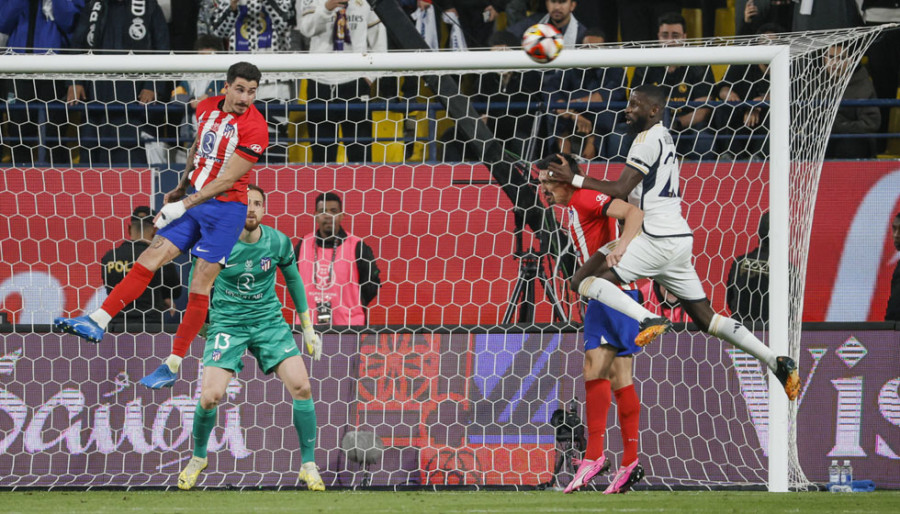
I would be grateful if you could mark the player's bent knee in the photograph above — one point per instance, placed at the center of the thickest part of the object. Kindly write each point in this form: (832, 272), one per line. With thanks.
(204, 276)
(211, 399)
(301, 391)
(160, 252)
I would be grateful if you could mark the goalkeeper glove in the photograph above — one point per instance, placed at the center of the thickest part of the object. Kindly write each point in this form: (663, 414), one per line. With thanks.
(169, 213)
(312, 340)
(313, 343)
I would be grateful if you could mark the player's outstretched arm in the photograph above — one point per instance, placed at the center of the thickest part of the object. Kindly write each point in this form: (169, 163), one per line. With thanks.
(297, 290)
(633, 218)
(628, 180)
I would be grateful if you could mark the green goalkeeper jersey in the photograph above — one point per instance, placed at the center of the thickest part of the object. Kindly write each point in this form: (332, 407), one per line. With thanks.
(245, 289)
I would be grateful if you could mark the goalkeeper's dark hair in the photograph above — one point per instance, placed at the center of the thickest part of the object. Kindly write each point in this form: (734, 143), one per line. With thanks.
(244, 70)
(329, 196)
(570, 158)
(655, 94)
(254, 187)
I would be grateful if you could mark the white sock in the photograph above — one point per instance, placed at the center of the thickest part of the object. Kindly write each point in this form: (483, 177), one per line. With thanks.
(101, 318)
(738, 335)
(612, 295)
(173, 362)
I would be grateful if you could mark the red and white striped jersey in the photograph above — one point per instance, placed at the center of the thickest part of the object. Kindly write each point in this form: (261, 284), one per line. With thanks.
(589, 226)
(221, 135)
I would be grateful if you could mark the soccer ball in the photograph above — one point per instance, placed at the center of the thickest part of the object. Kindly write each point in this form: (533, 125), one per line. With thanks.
(542, 42)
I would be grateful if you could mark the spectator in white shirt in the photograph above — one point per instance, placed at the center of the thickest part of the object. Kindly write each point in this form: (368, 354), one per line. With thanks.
(334, 26)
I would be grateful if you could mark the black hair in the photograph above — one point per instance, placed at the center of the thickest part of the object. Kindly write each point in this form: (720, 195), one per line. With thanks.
(655, 94)
(244, 70)
(254, 187)
(503, 37)
(897, 215)
(770, 27)
(596, 32)
(328, 197)
(570, 158)
(672, 18)
(143, 215)
(205, 41)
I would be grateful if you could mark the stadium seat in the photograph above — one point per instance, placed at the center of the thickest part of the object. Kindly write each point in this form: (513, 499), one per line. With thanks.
(387, 128)
(893, 145)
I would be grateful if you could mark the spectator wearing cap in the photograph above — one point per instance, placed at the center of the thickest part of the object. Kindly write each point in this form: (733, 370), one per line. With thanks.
(145, 313)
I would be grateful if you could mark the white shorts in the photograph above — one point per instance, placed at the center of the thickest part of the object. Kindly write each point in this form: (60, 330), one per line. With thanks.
(666, 260)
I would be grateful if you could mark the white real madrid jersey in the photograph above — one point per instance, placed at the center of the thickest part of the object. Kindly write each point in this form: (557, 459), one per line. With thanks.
(659, 193)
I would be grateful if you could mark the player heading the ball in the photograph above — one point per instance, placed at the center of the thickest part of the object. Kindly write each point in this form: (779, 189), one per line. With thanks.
(664, 248)
(232, 136)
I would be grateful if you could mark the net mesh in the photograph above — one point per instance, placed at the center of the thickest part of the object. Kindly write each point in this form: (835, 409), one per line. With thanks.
(472, 352)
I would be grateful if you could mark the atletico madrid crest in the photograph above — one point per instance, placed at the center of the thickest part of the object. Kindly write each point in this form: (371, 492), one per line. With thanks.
(265, 263)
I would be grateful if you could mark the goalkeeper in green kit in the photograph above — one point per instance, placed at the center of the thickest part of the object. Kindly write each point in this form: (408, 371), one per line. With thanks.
(246, 315)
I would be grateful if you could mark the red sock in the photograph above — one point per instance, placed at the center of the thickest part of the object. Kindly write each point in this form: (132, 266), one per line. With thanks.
(191, 323)
(630, 420)
(597, 407)
(127, 291)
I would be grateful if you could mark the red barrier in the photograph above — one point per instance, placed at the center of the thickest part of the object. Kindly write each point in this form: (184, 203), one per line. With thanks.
(444, 249)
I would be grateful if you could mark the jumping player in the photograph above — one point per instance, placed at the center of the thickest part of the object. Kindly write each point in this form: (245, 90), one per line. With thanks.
(664, 248)
(608, 334)
(232, 136)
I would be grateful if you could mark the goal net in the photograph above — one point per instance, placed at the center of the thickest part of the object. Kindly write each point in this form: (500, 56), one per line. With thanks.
(468, 372)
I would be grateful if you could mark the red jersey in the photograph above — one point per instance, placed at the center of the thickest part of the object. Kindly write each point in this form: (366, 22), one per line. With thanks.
(221, 135)
(589, 226)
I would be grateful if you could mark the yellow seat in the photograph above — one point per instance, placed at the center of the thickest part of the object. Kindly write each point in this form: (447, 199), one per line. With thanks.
(387, 129)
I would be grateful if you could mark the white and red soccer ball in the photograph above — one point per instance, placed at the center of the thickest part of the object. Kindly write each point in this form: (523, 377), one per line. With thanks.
(542, 42)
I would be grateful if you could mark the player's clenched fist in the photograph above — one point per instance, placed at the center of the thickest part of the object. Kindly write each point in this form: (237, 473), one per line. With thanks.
(169, 213)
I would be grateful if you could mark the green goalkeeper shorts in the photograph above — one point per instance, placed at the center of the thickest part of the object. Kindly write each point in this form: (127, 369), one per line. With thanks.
(270, 343)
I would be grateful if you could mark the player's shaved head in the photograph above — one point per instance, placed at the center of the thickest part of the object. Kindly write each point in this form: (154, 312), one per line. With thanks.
(655, 94)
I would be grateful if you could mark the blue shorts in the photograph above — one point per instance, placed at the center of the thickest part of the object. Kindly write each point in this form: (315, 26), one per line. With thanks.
(209, 230)
(605, 325)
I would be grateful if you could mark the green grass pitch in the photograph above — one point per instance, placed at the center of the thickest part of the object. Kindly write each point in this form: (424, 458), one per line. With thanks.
(96, 502)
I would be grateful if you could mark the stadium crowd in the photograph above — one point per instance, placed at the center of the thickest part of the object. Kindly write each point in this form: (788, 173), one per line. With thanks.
(106, 123)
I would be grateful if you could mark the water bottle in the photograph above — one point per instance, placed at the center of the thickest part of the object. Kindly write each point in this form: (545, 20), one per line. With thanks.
(846, 473)
(834, 473)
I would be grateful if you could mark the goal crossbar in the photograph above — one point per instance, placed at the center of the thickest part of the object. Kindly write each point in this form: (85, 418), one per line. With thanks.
(86, 64)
